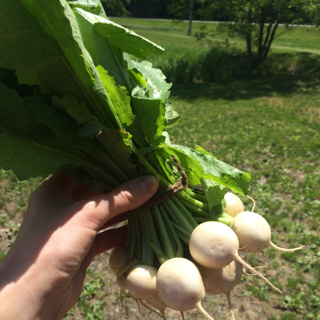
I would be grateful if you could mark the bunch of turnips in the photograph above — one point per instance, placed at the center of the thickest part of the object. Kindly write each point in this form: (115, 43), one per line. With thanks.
(210, 265)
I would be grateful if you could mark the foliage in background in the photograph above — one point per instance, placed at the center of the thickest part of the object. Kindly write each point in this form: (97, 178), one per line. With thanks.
(256, 22)
(181, 10)
(227, 63)
(116, 8)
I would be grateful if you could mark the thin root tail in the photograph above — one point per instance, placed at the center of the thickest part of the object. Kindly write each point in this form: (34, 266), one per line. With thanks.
(204, 312)
(256, 272)
(272, 245)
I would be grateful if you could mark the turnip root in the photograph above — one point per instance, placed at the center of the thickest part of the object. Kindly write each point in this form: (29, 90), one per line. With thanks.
(116, 263)
(141, 282)
(180, 286)
(117, 259)
(234, 204)
(215, 245)
(122, 282)
(222, 281)
(157, 304)
(254, 233)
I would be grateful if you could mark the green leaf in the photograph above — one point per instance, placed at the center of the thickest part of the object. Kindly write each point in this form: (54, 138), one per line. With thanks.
(79, 111)
(41, 40)
(118, 145)
(64, 127)
(29, 159)
(137, 78)
(26, 148)
(214, 193)
(119, 99)
(151, 113)
(92, 6)
(156, 84)
(126, 40)
(200, 149)
(31, 149)
(172, 117)
(103, 53)
(198, 165)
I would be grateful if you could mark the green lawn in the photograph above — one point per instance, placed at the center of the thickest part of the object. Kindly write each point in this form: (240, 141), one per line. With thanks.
(268, 126)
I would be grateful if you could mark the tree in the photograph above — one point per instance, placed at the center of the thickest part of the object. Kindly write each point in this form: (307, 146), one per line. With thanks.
(256, 21)
(181, 9)
(116, 8)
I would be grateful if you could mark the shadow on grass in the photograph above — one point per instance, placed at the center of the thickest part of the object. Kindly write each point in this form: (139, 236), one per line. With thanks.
(225, 73)
(281, 84)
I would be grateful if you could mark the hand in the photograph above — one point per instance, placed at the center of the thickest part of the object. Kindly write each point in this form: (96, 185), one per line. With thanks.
(43, 273)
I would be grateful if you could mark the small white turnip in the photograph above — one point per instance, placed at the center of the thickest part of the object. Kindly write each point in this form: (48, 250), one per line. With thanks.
(215, 245)
(234, 204)
(180, 285)
(141, 282)
(117, 258)
(222, 281)
(254, 233)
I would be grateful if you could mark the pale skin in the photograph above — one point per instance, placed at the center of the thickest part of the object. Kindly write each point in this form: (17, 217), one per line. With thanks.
(43, 273)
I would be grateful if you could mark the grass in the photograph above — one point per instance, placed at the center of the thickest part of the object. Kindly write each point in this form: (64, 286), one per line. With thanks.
(166, 33)
(267, 124)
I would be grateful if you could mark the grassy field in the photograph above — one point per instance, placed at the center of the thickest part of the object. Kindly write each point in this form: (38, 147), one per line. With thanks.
(268, 126)
(167, 33)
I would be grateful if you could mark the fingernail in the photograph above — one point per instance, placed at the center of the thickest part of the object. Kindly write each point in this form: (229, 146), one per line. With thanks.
(149, 184)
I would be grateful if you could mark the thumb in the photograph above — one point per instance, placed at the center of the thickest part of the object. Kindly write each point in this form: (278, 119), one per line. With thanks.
(130, 195)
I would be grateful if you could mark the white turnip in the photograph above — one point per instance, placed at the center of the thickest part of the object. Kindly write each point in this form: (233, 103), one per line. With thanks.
(215, 245)
(254, 233)
(180, 286)
(141, 282)
(234, 204)
(222, 281)
(117, 258)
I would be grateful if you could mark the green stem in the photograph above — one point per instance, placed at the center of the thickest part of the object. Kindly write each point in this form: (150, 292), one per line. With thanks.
(182, 235)
(138, 246)
(179, 252)
(194, 209)
(164, 236)
(131, 240)
(161, 257)
(174, 212)
(197, 196)
(148, 256)
(127, 267)
(110, 165)
(185, 211)
(153, 232)
(183, 195)
(223, 218)
(186, 233)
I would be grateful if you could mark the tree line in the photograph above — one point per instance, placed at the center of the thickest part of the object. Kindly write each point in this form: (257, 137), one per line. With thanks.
(255, 21)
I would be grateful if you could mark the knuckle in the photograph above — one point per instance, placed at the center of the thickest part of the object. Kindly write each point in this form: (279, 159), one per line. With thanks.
(125, 197)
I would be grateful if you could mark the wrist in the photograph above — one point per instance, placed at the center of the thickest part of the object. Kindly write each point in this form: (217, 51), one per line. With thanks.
(21, 297)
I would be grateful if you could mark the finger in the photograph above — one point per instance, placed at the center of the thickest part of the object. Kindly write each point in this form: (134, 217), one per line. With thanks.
(82, 192)
(95, 213)
(105, 241)
(57, 185)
